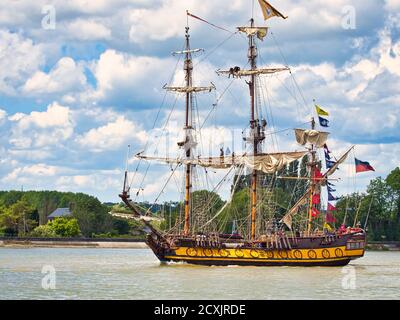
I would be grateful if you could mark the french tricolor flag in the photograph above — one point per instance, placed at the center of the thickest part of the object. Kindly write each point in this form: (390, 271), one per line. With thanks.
(362, 166)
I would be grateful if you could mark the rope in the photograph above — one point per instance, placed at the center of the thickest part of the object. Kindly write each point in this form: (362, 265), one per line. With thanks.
(154, 124)
(205, 21)
(226, 203)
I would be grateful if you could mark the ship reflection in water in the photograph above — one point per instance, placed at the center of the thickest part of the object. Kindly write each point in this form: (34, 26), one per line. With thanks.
(137, 274)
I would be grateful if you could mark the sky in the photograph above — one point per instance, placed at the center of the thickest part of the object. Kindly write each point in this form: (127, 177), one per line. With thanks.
(81, 80)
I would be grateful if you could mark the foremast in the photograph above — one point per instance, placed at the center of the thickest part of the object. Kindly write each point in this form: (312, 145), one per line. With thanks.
(188, 144)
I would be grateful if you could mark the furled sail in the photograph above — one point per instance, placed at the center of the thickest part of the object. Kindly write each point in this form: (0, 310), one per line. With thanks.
(237, 72)
(260, 32)
(189, 89)
(335, 166)
(270, 163)
(315, 137)
(265, 162)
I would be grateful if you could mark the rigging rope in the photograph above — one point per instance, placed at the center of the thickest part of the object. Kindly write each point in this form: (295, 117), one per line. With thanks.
(227, 202)
(205, 21)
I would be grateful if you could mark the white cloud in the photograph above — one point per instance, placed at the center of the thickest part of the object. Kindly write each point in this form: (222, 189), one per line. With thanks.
(3, 115)
(64, 77)
(120, 77)
(41, 129)
(392, 5)
(87, 30)
(111, 136)
(37, 170)
(95, 182)
(19, 59)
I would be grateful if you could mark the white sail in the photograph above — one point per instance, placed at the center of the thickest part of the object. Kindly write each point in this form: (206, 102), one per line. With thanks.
(318, 138)
(265, 162)
(189, 89)
(237, 72)
(260, 32)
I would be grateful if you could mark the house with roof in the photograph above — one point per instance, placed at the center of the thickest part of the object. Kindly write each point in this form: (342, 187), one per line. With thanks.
(60, 213)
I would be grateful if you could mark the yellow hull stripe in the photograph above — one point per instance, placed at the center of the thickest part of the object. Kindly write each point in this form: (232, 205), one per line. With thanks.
(254, 255)
(255, 260)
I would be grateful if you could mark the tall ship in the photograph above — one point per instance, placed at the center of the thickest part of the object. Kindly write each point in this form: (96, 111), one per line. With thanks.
(262, 233)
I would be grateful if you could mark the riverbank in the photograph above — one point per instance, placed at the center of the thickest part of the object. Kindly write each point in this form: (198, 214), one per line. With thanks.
(73, 243)
(384, 246)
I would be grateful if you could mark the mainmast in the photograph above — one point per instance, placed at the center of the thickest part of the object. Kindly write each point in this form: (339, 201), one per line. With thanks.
(254, 129)
(188, 67)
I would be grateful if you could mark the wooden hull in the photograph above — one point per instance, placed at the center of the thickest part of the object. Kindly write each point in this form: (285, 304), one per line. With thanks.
(302, 252)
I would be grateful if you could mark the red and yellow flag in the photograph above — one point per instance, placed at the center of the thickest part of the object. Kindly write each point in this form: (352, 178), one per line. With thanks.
(269, 11)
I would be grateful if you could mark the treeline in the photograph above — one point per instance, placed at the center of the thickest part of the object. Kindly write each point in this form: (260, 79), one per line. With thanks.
(378, 209)
(25, 213)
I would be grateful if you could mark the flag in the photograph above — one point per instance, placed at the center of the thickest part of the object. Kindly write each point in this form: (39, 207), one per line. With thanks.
(362, 166)
(327, 156)
(330, 184)
(330, 218)
(320, 111)
(316, 199)
(327, 227)
(269, 11)
(331, 207)
(331, 189)
(326, 148)
(331, 197)
(323, 122)
(329, 163)
(317, 174)
(314, 212)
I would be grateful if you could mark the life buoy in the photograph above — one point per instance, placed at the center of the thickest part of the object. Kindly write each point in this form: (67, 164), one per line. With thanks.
(254, 253)
(239, 253)
(208, 252)
(297, 254)
(283, 254)
(312, 254)
(191, 252)
(223, 253)
(326, 254)
(339, 252)
(270, 254)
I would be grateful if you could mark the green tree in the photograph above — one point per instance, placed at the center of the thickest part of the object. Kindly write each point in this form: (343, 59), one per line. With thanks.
(393, 181)
(18, 219)
(92, 216)
(43, 231)
(65, 227)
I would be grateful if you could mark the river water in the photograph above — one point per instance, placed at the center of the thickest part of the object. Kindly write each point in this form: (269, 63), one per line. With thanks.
(81, 273)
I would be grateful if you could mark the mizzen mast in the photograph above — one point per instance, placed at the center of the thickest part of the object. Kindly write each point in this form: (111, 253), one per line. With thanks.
(312, 165)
